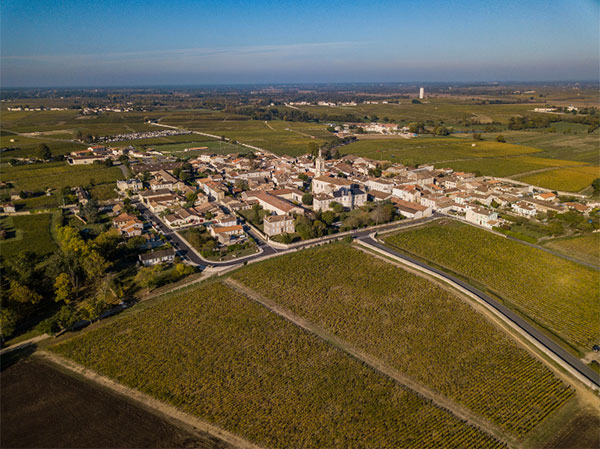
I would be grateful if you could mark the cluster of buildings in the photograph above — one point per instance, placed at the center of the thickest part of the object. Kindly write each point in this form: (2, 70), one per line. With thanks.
(142, 135)
(374, 127)
(282, 188)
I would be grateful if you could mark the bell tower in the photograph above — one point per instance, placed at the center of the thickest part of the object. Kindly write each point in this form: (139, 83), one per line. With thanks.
(319, 165)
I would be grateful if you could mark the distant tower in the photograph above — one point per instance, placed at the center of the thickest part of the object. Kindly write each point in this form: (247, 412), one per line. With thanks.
(422, 93)
(319, 165)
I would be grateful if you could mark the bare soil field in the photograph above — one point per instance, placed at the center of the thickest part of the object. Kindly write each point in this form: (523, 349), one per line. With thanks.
(43, 407)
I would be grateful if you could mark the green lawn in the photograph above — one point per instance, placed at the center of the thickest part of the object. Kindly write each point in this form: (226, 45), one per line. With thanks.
(558, 294)
(218, 355)
(27, 233)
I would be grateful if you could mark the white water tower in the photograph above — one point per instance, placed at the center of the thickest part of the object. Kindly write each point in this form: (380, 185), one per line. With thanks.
(422, 93)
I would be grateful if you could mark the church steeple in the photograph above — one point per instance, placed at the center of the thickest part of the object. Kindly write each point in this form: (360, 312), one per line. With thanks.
(319, 165)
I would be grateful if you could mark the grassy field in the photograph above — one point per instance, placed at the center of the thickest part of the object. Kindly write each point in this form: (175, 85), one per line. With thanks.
(222, 357)
(277, 136)
(422, 150)
(27, 233)
(57, 175)
(436, 109)
(29, 146)
(565, 179)
(416, 327)
(507, 166)
(558, 294)
(585, 247)
(580, 147)
(64, 124)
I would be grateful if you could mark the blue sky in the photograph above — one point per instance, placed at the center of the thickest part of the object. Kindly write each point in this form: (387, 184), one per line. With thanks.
(106, 42)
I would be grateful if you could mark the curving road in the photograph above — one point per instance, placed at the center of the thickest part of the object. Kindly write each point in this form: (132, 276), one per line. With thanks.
(566, 357)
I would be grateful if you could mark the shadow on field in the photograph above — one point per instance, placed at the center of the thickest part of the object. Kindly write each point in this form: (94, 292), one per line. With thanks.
(10, 358)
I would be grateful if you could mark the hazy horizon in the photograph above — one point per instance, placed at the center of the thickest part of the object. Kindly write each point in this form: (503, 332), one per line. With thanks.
(132, 43)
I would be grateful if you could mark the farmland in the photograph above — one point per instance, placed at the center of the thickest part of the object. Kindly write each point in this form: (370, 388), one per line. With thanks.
(436, 109)
(568, 179)
(277, 136)
(559, 295)
(432, 149)
(57, 175)
(64, 124)
(585, 247)
(37, 399)
(218, 355)
(27, 233)
(416, 327)
(507, 166)
(579, 147)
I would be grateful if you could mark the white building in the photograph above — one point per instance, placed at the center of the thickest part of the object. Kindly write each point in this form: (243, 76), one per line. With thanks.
(278, 224)
(422, 93)
(482, 217)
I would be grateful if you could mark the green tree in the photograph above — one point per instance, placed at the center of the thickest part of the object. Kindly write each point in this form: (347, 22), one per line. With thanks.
(63, 289)
(500, 139)
(313, 149)
(44, 152)
(8, 321)
(307, 199)
(336, 207)
(23, 294)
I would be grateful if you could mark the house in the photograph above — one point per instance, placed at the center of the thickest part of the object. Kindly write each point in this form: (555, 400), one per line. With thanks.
(278, 224)
(524, 209)
(377, 196)
(410, 209)
(547, 196)
(228, 235)
(156, 257)
(8, 208)
(407, 193)
(482, 217)
(273, 203)
(327, 185)
(350, 199)
(380, 184)
(130, 184)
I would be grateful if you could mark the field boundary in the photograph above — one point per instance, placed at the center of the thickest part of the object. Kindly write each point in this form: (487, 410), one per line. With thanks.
(154, 404)
(430, 396)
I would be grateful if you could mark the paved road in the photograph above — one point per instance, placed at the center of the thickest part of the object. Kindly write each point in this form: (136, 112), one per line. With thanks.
(186, 251)
(508, 314)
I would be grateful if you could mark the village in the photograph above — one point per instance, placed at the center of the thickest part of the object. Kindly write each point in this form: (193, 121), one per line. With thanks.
(224, 207)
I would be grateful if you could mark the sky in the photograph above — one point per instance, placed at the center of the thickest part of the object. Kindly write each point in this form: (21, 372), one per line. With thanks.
(137, 43)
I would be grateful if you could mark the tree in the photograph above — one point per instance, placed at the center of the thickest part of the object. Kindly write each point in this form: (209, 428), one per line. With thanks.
(336, 207)
(63, 288)
(501, 139)
(328, 217)
(596, 185)
(8, 320)
(313, 149)
(286, 238)
(256, 213)
(44, 152)
(90, 210)
(307, 199)
(22, 294)
(477, 136)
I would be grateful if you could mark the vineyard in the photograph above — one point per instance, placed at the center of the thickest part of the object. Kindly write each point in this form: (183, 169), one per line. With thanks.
(416, 327)
(558, 294)
(218, 355)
